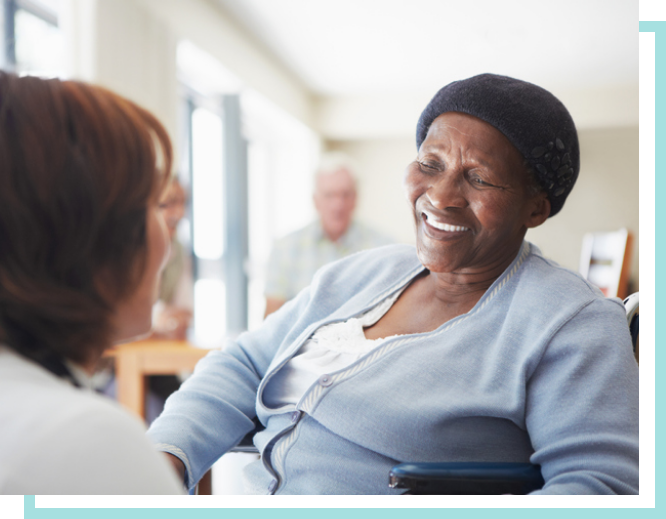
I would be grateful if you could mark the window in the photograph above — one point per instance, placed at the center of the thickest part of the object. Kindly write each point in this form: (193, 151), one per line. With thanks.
(249, 168)
(282, 154)
(33, 41)
(208, 223)
(207, 184)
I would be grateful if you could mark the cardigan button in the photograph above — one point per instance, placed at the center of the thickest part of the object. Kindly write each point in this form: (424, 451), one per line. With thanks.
(273, 486)
(325, 380)
(295, 416)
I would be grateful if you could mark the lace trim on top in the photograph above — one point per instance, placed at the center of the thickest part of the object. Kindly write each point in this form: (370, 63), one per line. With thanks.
(348, 336)
(331, 348)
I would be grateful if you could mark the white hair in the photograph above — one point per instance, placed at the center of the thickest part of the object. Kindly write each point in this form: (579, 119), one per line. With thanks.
(333, 161)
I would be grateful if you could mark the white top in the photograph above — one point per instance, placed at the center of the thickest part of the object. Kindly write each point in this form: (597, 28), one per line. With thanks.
(331, 348)
(58, 439)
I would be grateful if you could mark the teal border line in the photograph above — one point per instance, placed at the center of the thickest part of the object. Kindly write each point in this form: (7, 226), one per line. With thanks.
(322, 513)
(659, 30)
(30, 512)
(647, 26)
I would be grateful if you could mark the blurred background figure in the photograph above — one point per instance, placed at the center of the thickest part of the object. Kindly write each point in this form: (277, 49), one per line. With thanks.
(333, 235)
(172, 314)
(173, 311)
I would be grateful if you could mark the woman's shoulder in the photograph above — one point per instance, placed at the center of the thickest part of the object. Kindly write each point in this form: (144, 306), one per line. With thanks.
(355, 280)
(374, 264)
(558, 281)
(60, 439)
(550, 292)
(389, 257)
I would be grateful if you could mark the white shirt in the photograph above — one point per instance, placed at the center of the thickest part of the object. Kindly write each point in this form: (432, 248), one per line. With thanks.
(331, 348)
(58, 439)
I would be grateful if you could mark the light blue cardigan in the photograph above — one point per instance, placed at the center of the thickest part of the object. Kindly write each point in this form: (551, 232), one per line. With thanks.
(540, 370)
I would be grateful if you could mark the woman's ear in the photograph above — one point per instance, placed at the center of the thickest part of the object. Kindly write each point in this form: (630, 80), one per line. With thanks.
(540, 210)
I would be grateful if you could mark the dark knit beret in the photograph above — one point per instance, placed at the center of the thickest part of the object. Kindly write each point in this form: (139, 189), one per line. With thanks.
(533, 120)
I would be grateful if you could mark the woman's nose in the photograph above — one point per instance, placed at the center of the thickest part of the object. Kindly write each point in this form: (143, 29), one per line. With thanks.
(446, 191)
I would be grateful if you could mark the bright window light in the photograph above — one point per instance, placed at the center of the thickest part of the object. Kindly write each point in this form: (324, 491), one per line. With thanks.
(203, 72)
(51, 5)
(209, 313)
(207, 184)
(39, 46)
(282, 155)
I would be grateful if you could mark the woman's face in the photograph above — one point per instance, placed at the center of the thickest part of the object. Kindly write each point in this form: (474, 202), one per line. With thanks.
(173, 206)
(468, 189)
(133, 316)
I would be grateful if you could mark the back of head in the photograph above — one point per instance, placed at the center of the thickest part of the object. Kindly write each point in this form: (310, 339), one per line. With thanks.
(79, 166)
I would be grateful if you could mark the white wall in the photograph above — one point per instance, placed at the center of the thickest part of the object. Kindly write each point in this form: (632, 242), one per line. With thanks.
(605, 197)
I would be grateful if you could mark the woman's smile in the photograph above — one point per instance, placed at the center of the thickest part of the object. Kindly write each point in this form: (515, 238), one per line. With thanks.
(438, 230)
(467, 188)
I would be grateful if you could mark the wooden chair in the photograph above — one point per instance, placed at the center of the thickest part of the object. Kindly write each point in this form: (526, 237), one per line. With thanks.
(605, 261)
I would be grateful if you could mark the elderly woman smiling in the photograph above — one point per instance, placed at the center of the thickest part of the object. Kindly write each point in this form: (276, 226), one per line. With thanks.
(471, 347)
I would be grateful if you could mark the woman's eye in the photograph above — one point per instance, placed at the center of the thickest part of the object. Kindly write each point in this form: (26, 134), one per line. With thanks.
(428, 168)
(480, 182)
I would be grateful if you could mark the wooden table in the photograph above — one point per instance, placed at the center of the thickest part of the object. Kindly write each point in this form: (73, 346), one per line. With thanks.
(137, 360)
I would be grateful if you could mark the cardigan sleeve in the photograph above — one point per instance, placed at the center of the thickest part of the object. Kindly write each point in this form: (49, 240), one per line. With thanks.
(214, 408)
(582, 405)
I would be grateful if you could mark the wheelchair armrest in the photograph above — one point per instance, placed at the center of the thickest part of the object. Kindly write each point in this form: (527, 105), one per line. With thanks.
(466, 478)
(247, 443)
(633, 330)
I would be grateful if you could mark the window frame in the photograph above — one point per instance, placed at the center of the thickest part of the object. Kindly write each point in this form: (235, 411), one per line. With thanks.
(231, 267)
(9, 10)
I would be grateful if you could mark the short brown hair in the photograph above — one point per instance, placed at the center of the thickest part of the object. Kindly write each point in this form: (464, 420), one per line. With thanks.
(79, 166)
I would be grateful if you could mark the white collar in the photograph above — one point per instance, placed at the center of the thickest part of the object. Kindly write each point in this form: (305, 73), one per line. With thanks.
(80, 374)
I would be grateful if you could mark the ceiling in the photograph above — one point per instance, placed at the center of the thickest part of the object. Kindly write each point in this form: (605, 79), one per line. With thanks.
(367, 47)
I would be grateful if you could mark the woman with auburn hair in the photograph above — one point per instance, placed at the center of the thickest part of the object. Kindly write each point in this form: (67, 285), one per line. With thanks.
(82, 246)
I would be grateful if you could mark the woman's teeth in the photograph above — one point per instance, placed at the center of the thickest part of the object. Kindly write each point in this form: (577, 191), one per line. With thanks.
(444, 226)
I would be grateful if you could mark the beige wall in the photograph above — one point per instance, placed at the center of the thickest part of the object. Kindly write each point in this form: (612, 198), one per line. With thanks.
(364, 117)
(605, 197)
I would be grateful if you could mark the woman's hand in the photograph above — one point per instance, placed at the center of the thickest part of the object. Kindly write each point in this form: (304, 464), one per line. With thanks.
(178, 466)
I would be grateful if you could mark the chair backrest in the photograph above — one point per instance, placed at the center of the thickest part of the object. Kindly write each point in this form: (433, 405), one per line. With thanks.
(605, 261)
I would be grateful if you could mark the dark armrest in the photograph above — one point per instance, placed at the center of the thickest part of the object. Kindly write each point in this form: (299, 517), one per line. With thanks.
(247, 444)
(466, 478)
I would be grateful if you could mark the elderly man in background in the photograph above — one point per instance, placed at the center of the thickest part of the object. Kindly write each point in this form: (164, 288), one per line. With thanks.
(296, 257)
